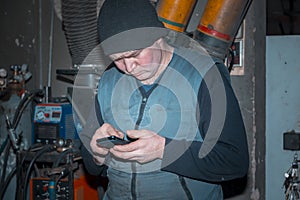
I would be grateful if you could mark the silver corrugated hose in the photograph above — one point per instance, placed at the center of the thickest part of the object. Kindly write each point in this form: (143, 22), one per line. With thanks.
(79, 20)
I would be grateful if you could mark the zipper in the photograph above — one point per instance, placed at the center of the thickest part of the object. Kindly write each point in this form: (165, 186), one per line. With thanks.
(145, 96)
(141, 112)
(185, 188)
(133, 181)
(133, 165)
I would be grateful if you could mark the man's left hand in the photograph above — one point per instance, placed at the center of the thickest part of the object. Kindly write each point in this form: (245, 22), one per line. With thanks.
(148, 147)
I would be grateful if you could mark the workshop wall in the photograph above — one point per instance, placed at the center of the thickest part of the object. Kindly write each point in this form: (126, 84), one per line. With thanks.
(26, 30)
(18, 34)
(283, 108)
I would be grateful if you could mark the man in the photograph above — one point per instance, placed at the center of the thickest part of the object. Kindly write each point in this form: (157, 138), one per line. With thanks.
(174, 104)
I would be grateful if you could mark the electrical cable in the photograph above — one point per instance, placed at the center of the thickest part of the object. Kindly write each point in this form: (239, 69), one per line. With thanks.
(7, 150)
(61, 156)
(36, 169)
(17, 116)
(22, 106)
(64, 172)
(37, 155)
(19, 170)
(7, 181)
(71, 181)
(242, 17)
(230, 67)
(53, 182)
(12, 127)
(3, 145)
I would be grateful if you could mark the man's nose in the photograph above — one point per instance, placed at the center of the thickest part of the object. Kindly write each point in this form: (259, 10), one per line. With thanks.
(130, 64)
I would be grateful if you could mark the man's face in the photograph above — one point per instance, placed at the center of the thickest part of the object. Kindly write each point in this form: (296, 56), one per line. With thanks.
(143, 64)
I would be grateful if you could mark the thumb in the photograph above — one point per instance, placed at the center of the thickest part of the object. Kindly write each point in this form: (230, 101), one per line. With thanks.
(133, 134)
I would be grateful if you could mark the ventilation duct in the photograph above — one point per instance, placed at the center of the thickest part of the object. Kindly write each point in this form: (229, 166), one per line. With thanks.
(79, 21)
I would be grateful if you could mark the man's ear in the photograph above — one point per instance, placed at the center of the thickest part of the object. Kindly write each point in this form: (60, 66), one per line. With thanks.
(159, 41)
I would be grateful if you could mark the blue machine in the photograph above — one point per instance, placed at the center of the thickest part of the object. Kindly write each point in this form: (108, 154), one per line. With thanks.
(52, 121)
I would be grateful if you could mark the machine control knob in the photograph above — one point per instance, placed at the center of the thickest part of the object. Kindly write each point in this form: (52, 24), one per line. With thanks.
(3, 73)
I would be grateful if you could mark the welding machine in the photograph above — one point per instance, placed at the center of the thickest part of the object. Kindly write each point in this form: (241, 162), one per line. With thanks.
(52, 121)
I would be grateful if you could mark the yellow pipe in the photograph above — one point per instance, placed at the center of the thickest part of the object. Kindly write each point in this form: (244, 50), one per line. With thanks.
(221, 18)
(175, 13)
(219, 24)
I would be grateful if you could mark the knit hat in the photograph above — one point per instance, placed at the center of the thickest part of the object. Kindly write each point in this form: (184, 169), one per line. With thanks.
(125, 25)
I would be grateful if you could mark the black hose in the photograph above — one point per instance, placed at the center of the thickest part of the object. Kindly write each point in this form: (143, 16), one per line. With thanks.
(7, 181)
(61, 156)
(7, 150)
(22, 106)
(37, 155)
(230, 67)
(19, 170)
(3, 145)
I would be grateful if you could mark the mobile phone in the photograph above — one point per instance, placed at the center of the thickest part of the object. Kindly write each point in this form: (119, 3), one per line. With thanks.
(111, 141)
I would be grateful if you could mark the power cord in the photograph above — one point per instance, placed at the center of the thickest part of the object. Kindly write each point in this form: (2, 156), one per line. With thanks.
(45, 149)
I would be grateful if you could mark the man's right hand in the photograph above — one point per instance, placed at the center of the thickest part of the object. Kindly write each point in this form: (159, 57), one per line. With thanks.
(99, 153)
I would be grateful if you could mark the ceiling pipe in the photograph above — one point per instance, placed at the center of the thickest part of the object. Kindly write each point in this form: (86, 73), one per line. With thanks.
(79, 21)
(219, 25)
(175, 14)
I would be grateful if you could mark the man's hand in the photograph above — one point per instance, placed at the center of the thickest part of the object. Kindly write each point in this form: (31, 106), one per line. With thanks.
(105, 130)
(148, 147)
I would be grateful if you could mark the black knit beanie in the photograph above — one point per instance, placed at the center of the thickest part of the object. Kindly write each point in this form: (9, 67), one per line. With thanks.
(125, 25)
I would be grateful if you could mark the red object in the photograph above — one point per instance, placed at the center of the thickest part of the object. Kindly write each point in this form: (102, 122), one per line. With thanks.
(214, 32)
